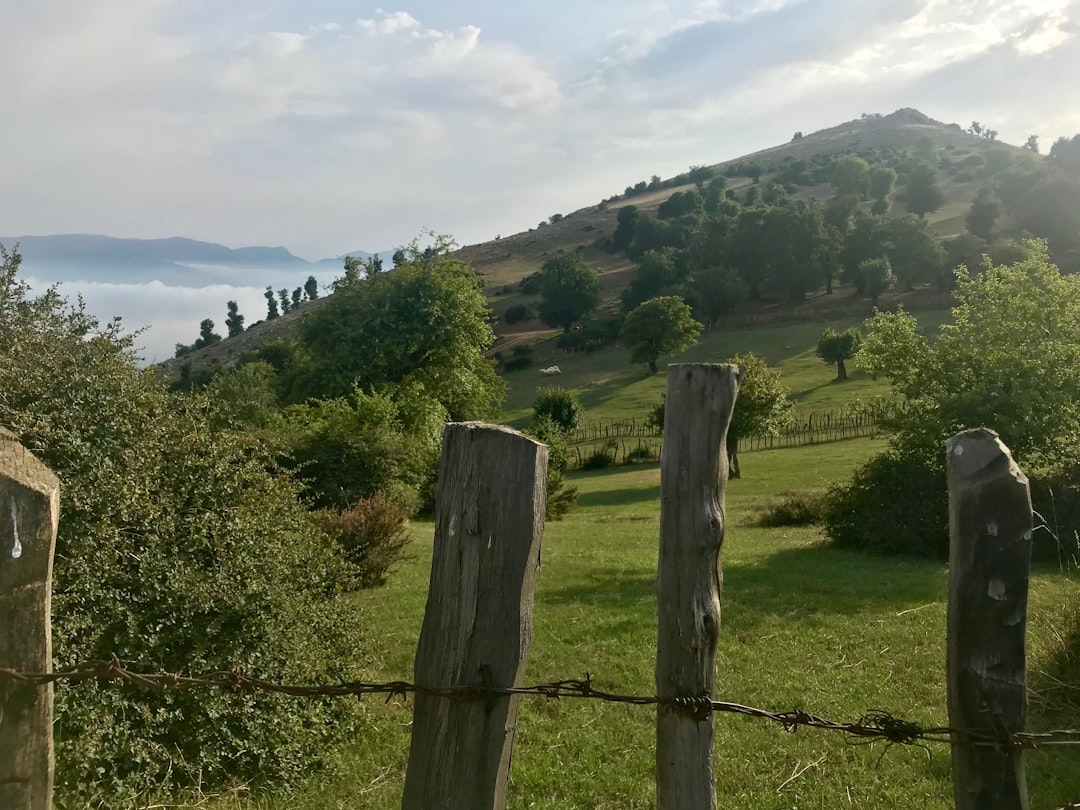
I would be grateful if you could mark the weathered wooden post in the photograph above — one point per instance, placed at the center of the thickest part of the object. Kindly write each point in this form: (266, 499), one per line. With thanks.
(989, 558)
(29, 512)
(478, 621)
(693, 477)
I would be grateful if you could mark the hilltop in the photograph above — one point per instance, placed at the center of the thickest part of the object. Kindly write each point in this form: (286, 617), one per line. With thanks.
(504, 262)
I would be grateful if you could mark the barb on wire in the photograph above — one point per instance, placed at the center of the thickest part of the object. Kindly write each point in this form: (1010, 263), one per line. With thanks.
(873, 725)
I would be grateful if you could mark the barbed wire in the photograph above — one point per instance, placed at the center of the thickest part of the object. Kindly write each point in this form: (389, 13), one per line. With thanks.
(873, 725)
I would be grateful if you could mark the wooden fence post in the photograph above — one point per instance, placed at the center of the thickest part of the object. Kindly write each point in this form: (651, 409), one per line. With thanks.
(693, 477)
(29, 512)
(989, 558)
(478, 622)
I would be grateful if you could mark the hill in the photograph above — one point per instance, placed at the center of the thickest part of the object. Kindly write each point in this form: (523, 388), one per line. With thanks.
(505, 261)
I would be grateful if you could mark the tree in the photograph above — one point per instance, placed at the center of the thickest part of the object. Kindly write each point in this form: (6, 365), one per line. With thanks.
(984, 213)
(659, 273)
(560, 405)
(311, 289)
(718, 291)
(836, 347)
(880, 207)
(234, 322)
(419, 333)
(207, 336)
(877, 276)
(1065, 155)
(762, 407)
(881, 182)
(660, 326)
(271, 304)
(626, 220)
(1032, 144)
(850, 175)
(913, 249)
(570, 290)
(398, 258)
(297, 297)
(923, 193)
(286, 301)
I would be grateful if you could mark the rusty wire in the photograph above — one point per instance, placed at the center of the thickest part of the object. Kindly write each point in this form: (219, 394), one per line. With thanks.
(872, 725)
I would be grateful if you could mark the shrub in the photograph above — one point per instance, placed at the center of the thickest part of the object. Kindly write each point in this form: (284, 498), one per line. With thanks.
(793, 509)
(599, 460)
(517, 313)
(372, 536)
(560, 498)
(521, 357)
(643, 453)
(560, 405)
(532, 284)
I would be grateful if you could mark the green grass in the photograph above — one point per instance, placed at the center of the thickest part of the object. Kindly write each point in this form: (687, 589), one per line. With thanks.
(804, 625)
(613, 388)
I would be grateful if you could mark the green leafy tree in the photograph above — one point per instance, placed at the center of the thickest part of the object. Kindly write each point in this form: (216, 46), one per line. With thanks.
(660, 272)
(837, 347)
(420, 332)
(880, 183)
(850, 175)
(913, 249)
(311, 289)
(762, 407)
(877, 276)
(1065, 155)
(984, 213)
(626, 222)
(207, 335)
(234, 322)
(560, 497)
(717, 291)
(271, 304)
(286, 301)
(1032, 144)
(561, 405)
(297, 297)
(923, 193)
(880, 207)
(570, 290)
(661, 326)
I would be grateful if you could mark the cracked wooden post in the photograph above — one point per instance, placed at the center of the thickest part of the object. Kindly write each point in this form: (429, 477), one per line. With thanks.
(693, 477)
(478, 621)
(989, 559)
(29, 512)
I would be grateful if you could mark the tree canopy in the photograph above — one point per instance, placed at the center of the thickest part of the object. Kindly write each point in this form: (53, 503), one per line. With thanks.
(836, 347)
(570, 290)
(660, 326)
(761, 408)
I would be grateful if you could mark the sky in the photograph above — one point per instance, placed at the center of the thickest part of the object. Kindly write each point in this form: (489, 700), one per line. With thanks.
(327, 126)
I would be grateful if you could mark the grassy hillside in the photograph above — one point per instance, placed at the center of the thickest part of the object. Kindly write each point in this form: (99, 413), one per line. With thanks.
(504, 261)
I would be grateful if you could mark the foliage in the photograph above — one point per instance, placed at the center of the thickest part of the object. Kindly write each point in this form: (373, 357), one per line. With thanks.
(984, 213)
(311, 289)
(180, 548)
(923, 193)
(371, 535)
(271, 304)
(850, 175)
(349, 448)
(598, 460)
(881, 182)
(877, 276)
(234, 322)
(1009, 360)
(660, 326)
(421, 330)
(836, 347)
(521, 357)
(801, 508)
(560, 405)
(659, 273)
(717, 291)
(570, 290)
(560, 498)
(762, 406)
(590, 336)
(517, 313)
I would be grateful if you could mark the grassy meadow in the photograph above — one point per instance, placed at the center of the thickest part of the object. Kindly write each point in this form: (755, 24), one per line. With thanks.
(804, 625)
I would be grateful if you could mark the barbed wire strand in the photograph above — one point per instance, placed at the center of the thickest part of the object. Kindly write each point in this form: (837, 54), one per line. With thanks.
(873, 725)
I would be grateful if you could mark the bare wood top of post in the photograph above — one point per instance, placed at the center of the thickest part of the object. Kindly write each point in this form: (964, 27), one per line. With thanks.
(990, 525)
(699, 404)
(29, 515)
(478, 621)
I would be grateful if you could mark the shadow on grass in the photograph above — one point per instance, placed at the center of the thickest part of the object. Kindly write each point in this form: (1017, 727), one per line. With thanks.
(793, 583)
(620, 497)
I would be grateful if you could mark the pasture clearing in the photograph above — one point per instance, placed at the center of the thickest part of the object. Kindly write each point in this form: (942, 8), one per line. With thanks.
(804, 625)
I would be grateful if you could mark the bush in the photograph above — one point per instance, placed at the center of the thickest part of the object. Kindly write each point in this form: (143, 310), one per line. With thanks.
(600, 460)
(560, 498)
(517, 313)
(532, 284)
(643, 453)
(590, 336)
(372, 536)
(892, 504)
(521, 357)
(560, 405)
(793, 509)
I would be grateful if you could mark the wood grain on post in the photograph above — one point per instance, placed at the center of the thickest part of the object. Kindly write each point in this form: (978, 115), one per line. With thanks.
(478, 621)
(693, 476)
(989, 559)
(29, 512)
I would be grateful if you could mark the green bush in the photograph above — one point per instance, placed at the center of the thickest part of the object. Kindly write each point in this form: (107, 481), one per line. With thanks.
(893, 503)
(793, 509)
(560, 498)
(561, 405)
(600, 460)
(522, 357)
(180, 549)
(517, 313)
(372, 535)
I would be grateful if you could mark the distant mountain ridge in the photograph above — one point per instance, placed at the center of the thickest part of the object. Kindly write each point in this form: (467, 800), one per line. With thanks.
(172, 260)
